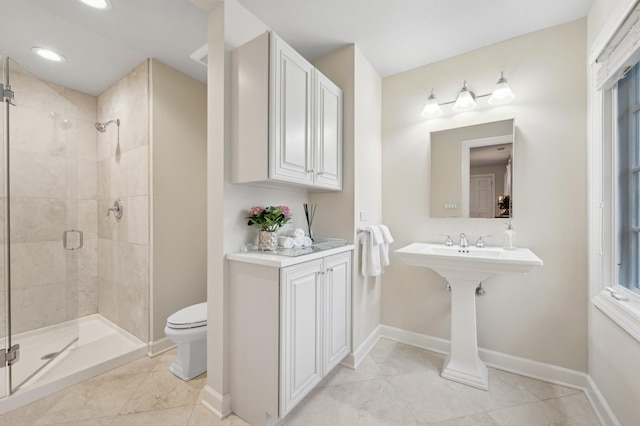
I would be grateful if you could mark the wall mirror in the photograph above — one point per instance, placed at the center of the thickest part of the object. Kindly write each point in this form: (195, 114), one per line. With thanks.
(472, 171)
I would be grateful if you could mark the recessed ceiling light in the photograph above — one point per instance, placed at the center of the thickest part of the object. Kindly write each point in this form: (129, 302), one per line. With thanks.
(48, 54)
(98, 4)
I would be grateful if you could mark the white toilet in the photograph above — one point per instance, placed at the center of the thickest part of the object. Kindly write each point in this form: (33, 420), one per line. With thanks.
(187, 328)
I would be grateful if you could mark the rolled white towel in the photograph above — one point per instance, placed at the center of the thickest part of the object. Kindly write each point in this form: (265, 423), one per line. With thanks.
(286, 242)
(295, 233)
(302, 242)
(305, 241)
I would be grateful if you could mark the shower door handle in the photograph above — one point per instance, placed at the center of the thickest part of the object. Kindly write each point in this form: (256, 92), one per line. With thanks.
(65, 239)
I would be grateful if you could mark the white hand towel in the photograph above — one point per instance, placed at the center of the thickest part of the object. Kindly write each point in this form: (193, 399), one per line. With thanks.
(386, 234)
(295, 233)
(384, 247)
(371, 240)
(286, 242)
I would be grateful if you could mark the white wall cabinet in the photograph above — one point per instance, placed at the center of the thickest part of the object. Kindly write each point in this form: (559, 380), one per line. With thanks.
(286, 118)
(290, 326)
(328, 142)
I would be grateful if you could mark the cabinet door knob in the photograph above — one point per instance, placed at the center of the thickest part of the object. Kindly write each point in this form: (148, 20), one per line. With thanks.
(329, 269)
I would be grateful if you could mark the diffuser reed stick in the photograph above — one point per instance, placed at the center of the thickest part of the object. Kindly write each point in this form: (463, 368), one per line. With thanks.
(309, 213)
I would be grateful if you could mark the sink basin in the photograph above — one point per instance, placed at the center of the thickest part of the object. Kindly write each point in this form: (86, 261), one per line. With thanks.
(464, 269)
(471, 263)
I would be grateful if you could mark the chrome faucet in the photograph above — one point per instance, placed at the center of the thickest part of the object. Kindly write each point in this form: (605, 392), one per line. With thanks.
(480, 243)
(448, 242)
(464, 243)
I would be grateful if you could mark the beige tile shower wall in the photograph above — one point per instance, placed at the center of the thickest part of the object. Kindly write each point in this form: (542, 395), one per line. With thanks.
(123, 173)
(53, 173)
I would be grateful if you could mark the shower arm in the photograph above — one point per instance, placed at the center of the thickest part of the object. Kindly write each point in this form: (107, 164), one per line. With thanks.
(102, 127)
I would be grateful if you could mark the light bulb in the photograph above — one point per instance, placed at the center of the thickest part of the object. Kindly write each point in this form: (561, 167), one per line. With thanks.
(502, 94)
(466, 100)
(431, 108)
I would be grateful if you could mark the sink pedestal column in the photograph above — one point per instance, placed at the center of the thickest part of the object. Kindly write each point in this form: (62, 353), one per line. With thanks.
(463, 364)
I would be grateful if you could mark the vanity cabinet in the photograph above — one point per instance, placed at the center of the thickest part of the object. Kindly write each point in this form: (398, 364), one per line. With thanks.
(290, 326)
(286, 118)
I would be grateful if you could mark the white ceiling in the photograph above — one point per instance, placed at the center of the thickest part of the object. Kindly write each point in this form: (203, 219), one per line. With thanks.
(394, 36)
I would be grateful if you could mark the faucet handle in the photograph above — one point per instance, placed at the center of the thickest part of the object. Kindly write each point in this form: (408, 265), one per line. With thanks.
(480, 243)
(448, 242)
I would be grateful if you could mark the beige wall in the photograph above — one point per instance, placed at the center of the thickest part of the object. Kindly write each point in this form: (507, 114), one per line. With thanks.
(367, 190)
(542, 315)
(178, 170)
(613, 353)
(123, 173)
(362, 180)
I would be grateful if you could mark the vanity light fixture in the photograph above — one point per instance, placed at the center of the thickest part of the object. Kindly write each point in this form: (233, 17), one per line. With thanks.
(502, 94)
(431, 108)
(48, 54)
(466, 99)
(98, 4)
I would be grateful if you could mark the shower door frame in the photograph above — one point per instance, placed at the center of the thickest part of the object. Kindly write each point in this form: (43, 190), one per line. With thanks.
(70, 210)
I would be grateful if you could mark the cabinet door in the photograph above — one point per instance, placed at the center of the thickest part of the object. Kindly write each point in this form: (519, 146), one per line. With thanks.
(328, 141)
(337, 310)
(290, 120)
(300, 332)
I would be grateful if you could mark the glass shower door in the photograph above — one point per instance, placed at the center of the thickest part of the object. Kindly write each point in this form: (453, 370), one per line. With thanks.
(4, 340)
(42, 241)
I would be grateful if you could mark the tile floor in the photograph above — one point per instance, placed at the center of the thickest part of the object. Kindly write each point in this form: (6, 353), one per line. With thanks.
(395, 385)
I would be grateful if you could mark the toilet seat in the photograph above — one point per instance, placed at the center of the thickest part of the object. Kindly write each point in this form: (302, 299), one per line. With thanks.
(190, 317)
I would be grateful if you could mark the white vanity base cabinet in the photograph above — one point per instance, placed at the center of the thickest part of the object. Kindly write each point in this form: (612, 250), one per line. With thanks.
(289, 327)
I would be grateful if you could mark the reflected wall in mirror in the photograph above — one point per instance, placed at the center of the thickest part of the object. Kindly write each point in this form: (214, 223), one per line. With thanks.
(472, 171)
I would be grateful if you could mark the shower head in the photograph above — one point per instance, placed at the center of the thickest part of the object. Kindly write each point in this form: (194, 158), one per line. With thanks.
(102, 127)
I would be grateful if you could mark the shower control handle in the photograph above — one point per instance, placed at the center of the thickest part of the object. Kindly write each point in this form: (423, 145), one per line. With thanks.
(117, 209)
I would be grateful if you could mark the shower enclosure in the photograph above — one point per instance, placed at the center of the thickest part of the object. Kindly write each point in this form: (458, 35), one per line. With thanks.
(52, 331)
(41, 238)
(76, 172)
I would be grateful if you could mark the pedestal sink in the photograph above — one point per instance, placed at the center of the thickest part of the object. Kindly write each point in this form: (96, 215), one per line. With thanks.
(464, 269)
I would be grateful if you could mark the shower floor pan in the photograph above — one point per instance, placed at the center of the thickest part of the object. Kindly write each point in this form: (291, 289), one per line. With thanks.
(101, 346)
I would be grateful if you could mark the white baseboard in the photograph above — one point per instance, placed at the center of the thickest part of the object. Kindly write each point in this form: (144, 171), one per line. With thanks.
(600, 405)
(354, 359)
(430, 343)
(525, 367)
(159, 346)
(218, 404)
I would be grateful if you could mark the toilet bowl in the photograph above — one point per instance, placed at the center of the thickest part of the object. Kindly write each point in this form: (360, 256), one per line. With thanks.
(187, 328)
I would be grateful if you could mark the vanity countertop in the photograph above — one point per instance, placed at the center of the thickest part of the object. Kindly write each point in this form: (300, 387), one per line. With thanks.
(279, 261)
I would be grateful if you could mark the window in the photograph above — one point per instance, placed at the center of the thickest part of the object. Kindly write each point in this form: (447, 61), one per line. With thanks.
(614, 178)
(627, 180)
